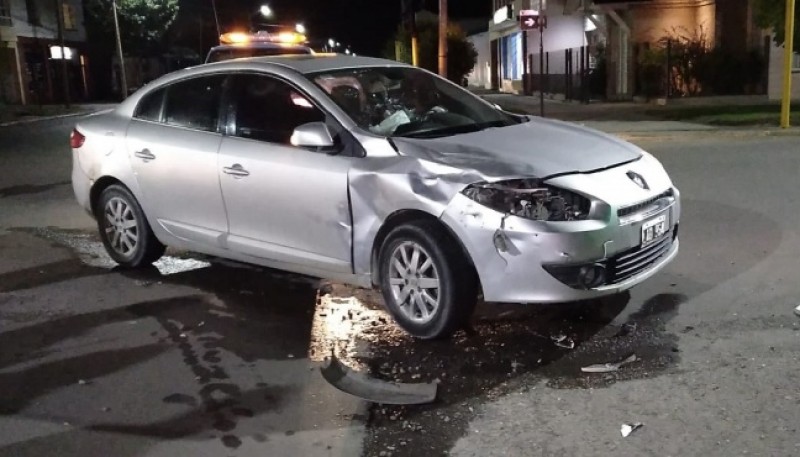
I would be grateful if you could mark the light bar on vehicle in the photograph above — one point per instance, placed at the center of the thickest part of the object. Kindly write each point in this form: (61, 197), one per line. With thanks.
(241, 38)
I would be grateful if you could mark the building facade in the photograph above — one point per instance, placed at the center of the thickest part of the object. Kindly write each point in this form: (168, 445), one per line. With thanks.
(579, 31)
(33, 64)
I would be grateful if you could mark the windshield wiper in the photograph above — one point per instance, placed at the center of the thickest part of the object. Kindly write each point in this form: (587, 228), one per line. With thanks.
(454, 130)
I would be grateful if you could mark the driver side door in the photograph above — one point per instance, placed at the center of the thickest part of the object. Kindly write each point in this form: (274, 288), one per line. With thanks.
(284, 203)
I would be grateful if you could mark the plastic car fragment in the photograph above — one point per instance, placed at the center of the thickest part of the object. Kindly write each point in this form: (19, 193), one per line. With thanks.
(627, 429)
(609, 367)
(375, 390)
(563, 341)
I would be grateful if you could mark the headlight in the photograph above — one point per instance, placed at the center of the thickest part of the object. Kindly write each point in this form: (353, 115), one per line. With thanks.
(531, 199)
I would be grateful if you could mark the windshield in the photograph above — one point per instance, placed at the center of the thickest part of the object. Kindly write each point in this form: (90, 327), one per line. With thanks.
(408, 102)
(217, 55)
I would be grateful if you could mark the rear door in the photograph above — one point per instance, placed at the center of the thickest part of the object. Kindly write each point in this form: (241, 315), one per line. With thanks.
(173, 142)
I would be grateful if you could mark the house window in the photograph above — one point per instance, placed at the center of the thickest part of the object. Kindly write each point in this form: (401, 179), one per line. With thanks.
(511, 55)
(70, 23)
(33, 12)
(5, 12)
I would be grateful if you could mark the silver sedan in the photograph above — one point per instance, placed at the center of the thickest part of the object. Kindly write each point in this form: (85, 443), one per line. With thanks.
(377, 174)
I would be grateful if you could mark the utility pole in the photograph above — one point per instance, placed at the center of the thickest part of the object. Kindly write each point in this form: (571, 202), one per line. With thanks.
(788, 54)
(123, 78)
(216, 17)
(443, 38)
(542, 22)
(64, 68)
(409, 14)
(414, 39)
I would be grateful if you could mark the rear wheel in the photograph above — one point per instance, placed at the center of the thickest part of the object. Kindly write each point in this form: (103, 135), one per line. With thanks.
(124, 230)
(427, 283)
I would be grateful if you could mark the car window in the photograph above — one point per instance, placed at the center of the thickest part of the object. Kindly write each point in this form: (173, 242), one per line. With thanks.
(268, 109)
(195, 103)
(406, 101)
(149, 107)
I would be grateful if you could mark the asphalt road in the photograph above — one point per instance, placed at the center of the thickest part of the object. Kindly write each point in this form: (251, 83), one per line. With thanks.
(201, 357)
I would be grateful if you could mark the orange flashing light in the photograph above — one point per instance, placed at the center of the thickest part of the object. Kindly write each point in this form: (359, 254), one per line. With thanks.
(244, 38)
(234, 38)
(291, 37)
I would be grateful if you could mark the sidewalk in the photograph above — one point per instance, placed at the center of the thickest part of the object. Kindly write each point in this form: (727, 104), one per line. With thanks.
(22, 114)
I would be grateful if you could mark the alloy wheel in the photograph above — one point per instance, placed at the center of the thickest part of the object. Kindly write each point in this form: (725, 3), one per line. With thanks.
(414, 281)
(121, 227)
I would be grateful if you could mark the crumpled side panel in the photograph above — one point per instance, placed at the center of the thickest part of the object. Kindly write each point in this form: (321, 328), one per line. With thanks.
(381, 186)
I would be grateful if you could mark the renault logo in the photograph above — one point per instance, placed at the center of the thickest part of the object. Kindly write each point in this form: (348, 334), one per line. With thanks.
(637, 178)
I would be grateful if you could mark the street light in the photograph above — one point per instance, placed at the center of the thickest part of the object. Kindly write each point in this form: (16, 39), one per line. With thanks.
(265, 11)
(300, 28)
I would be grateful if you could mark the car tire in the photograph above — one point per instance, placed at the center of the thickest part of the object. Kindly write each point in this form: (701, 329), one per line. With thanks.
(124, 230)
(433, 294)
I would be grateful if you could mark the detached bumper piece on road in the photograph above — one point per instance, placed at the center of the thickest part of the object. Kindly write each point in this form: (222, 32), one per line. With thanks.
(375, 390)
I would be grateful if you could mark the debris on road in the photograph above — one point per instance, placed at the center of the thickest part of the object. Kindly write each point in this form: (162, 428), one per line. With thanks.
(608, 367)
(375, 390)
(626, 329)
(797, 310)
(84, 382)
(563, 341)
(627, 429)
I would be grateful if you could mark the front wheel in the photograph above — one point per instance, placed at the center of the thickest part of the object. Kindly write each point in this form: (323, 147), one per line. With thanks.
(124, 230)
(427, 283)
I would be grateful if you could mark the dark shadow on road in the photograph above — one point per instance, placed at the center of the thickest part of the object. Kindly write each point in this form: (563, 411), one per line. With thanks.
(50, 273)
(21, 387)
(29, 189)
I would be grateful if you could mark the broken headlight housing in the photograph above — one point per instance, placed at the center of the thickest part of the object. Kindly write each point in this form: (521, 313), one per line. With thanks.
(531, 199)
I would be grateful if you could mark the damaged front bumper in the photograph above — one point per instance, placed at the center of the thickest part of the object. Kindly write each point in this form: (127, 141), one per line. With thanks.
(524, 261)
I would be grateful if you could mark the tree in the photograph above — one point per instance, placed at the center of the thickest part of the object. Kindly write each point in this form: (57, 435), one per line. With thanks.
(142, 23)
(461, 54)
(771, 14)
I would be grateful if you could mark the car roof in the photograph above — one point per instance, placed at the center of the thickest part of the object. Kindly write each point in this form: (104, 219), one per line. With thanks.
(284, 65)
(313, 63)
(260, 45)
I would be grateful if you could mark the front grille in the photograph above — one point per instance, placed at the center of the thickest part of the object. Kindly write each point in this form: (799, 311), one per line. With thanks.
(633, 209)
(632, 262)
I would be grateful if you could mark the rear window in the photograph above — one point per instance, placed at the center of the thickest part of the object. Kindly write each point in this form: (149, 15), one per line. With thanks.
(217, 55)
(149, 107)
(194, 103)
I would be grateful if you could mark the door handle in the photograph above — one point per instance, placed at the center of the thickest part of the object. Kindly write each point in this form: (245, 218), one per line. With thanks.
(236, 170)
(145, 155)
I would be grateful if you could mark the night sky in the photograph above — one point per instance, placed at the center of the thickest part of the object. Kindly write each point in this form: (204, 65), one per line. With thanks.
(365, 25)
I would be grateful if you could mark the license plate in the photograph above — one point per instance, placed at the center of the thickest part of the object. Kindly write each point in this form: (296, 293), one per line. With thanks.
(654, 229)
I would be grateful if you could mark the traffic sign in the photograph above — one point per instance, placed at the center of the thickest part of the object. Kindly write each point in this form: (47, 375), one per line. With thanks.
(531, 20)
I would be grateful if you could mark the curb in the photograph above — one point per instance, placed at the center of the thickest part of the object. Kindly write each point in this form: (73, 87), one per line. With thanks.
(715, 132)
(51, 118)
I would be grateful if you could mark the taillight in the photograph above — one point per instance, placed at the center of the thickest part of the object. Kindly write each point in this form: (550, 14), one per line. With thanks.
(76, 139)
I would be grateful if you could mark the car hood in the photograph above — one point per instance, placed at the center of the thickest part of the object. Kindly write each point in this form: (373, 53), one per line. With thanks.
(538, 148)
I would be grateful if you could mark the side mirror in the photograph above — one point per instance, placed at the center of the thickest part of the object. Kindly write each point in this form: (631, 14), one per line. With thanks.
(312, 135)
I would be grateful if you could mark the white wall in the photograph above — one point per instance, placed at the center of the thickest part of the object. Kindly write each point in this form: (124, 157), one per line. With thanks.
(481, 74)
(562, 32)
(775, 81)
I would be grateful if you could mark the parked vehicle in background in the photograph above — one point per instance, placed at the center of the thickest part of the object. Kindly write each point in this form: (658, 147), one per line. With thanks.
(236, 45)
